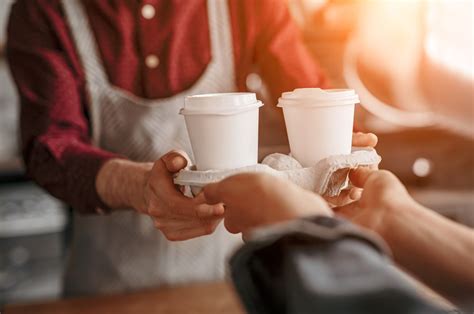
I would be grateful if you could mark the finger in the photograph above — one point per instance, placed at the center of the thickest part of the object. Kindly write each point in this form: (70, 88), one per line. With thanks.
(355, 194)
(360, 175)
(174, 161)
(185, 207)
(184, 154)
(203, 209)
(171, 200)
(186, 234)
(206, 210)
(176, 224)
(194, 207)
(360, 139)
(234, 186)
(171, 197)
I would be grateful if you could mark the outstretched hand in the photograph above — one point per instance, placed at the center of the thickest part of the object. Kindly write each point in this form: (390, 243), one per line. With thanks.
(254, 199)
(382, 195)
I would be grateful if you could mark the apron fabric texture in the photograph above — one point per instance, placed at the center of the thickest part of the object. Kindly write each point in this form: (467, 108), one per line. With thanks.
(123, 251)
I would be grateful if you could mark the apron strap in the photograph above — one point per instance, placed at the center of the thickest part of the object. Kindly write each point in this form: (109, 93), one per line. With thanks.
(88, 52)
(85, 41)
(222, 50)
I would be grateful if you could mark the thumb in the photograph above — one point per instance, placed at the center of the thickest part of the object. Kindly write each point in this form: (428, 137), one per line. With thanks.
(174, 161)
(360, 175)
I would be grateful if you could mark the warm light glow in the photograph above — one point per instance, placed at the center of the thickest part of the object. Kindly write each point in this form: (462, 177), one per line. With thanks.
(450, 35)
(421, 167)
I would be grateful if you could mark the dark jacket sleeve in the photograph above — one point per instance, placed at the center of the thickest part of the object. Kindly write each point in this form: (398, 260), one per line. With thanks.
(321, 266)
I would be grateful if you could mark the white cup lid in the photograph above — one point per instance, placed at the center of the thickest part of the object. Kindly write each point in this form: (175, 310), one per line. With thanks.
(317, 97)
(220, 103)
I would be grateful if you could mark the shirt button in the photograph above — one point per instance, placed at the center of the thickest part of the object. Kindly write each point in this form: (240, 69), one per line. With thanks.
(148, 11)
(152, 61)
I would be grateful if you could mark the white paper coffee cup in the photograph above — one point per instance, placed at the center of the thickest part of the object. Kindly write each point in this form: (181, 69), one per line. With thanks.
(318, 122)
(223, 129)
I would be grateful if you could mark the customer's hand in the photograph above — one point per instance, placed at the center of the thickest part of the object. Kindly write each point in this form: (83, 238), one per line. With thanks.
(177, 216)
(434, 249)
(253, 200)
(359, 139)
(382, 196)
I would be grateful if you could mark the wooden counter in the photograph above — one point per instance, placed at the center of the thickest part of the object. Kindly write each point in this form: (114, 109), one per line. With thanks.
(200, 298)
(209, 298)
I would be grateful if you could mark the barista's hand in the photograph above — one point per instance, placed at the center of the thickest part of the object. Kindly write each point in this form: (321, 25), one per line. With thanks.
(359, 139)
(382, 196)
(253, 200)
(177, 216)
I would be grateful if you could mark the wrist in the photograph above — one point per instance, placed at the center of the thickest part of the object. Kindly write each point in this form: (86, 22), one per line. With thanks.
(394, 219)
(140, 174)
(300, 211)
(121, 184)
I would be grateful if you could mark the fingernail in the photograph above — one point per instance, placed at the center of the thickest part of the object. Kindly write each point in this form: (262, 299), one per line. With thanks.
(178, 162)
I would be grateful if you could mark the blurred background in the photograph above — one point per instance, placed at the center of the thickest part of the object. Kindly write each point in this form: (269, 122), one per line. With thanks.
(411, 62)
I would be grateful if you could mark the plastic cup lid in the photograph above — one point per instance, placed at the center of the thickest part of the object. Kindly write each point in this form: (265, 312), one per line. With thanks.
(317, 97)
(220, 103)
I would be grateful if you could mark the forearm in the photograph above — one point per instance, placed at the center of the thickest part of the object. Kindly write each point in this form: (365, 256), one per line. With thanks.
(120, 183)
(436, 250)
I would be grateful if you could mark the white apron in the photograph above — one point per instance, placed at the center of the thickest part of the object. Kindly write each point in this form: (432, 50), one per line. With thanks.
(123, 251)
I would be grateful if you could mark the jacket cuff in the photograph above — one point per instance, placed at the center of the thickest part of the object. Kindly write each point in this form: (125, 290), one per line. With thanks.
(70, 176)
(318, 228)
